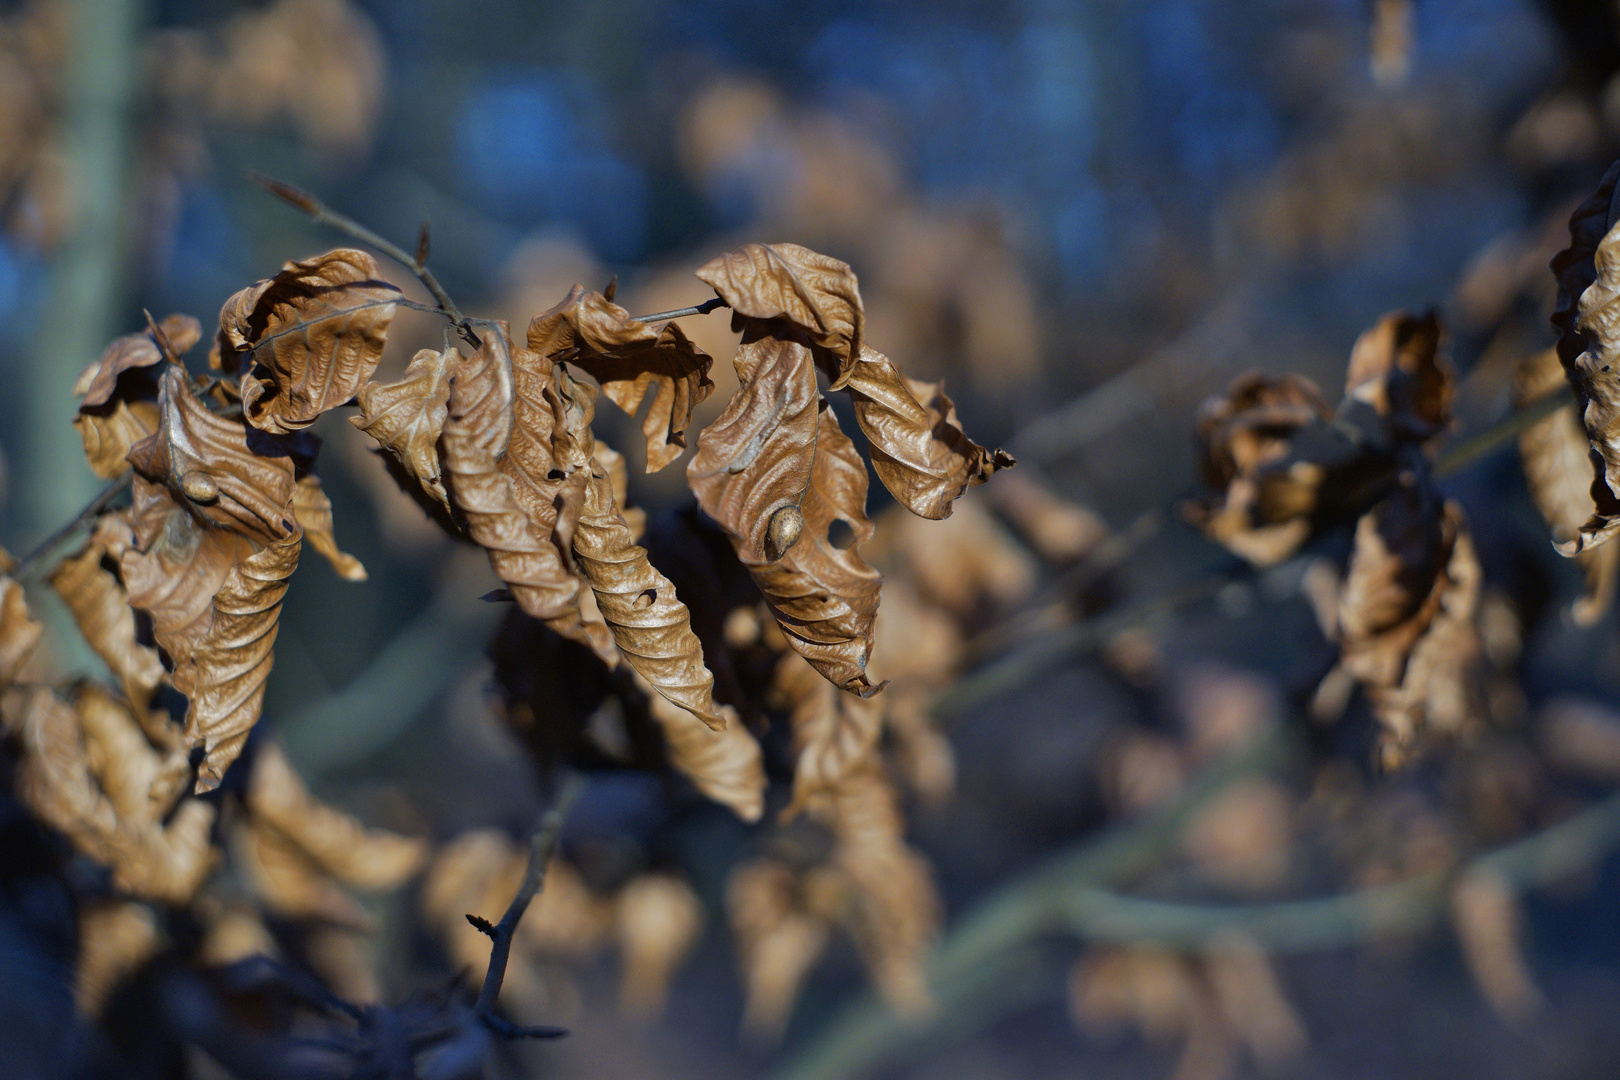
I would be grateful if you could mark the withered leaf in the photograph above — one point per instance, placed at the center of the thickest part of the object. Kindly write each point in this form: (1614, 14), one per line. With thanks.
(118, 754)
(484, 448)
(778, 941)
(209, 461)
(919, 450)
(175, 567)
(313, 512)
(1397, 369)
(408, 416)
(120, 394)
(101, 609)
(225, 674)
(816, 294)
(1575, 267)
(1597, 383)
(289, 883)
(19, 631)
(756, 457)
(315, 332)
(823, 594)
(109, 433)
(650, 626)
(1558, 470)
(630, 359)
(657, 918)
(726, 764)
(833, 732)
(100, 381)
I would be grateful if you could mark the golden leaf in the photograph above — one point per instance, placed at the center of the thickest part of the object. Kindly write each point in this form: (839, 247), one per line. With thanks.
(778, 942)
(313, 512)
(919, 450)
(120, 394)
(756, 457)
(210, 463)
(407, 417)
(813, 293)
(1397, 369)
(314, 333)
(726, 764)
(19, 631)
(833, 732)
(1558, 469)
(630, 359)
(100, 381)
(116, 937)
(224, 675)
(109, 433)
(499, 459)
(101, 610)
(657, 918)
(650, 626)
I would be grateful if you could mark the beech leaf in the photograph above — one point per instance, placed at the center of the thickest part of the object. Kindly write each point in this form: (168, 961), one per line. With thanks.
(725, 764)
(813, 293)
(19, 630)
(1597, 384)
(101, 610)
(833, 732)
(1397, 369)
(918, 447)
(407, 417)
(314, 334)
(631, 360)
(313, 512)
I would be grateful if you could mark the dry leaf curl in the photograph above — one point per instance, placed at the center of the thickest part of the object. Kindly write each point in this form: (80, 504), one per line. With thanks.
(120, 394)
(101, 609)
(1397, 369)
(407, 417)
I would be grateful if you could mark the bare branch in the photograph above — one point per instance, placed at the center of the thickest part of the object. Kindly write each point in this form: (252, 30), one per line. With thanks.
(699, 309)
(35, 559)
(325, 215)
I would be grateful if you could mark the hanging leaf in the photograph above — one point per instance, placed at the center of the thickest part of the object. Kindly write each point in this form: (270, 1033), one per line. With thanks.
(225, 674)
(918, 447)
(209, 462)
(779, 939)
(313, 512)
(312, 334)
(104, 379)
(483, 450)
(1575, 267)
(19, 631)
(109, 433)
(1397, 369)
(755, 459)
(834, 732)
(657, 921)
(630, 359)
(407, 417)
(1558, 471)
(812, 293)
(101, 609)
(725, 764)
(120, 393)
(649, 625)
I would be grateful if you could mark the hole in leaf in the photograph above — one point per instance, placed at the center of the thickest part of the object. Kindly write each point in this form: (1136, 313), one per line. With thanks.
(841, 534)
(647, 599)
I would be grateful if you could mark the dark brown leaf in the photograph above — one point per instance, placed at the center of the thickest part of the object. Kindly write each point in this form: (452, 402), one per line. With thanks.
(314, 333)
(407, 417)
(1397, 369)
(630, 359)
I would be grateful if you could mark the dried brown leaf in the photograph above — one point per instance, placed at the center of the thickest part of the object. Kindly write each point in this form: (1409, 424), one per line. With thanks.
(211, 463)
(116, 937)
(101, 609)
(919, 450)
(813, 293)
(288, 883)
(778, 942)
(834, 732)
(1397, 369)
(313, 512)
(630, 359)
(1558, 469)
(101, 380)
(407, 417)
(726, 764)
(109, 433)
(19, 631)
(225, 674)
(657, 918)
(313, 333)
(650, 626)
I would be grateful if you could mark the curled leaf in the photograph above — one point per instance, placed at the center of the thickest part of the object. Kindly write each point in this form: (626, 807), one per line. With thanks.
(725, 764)
(101, 610)
(19, 631)
(313, 512)
(210, 463)
(110, 432)
(919, 450)
(120, 393)
(313, 333)
(1397, 369)
(834, 732)
(630, 359)
(756, 457)
(104, 379)
(650, 626)
(225, 674)
(408, 416)
(1558, 470)
(658, 919)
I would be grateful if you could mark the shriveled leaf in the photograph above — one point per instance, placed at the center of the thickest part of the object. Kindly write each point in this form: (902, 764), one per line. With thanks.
(631, 360)
(1558, 470)
(919, 450)
(116, 937)
(823, 594)
(407, 417)
(19, 630)
(337, 843)
(755, 459)
(288, 883)
(813, 293)
(1597, 389)
(101, 609)
(834, 732)
(1397, 369)
(657, 921)
(726, 764)
(211, 463)
(649, 624)
(175, 567)
(1575, 267)
(313, 512)
(225, 674)
(778, 942)
(484, 449)
(117, 753)
(314, 334)
(100, 382)
(110, 432)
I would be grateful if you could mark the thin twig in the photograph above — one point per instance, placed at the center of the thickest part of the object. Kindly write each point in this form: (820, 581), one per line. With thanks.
(540, 849)
(1527, 416)
(35, 558)
(697, 309)
(325, 215)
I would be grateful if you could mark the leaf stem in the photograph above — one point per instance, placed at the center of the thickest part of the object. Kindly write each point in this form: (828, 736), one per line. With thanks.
(322, 214)
(36, 558)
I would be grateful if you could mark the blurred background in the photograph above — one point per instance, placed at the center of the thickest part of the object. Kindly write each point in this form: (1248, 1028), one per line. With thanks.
(1086, 218)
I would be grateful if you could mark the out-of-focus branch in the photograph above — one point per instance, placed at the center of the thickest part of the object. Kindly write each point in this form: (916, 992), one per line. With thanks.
(36, 558)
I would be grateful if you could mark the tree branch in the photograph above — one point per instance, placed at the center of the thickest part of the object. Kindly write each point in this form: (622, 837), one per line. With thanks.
(35, 559)
(677, 313)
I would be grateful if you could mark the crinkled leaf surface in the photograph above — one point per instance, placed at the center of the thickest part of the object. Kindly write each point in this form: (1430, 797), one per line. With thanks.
(726, 765)
(101, 609)
(313, 512)
(407, 417)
